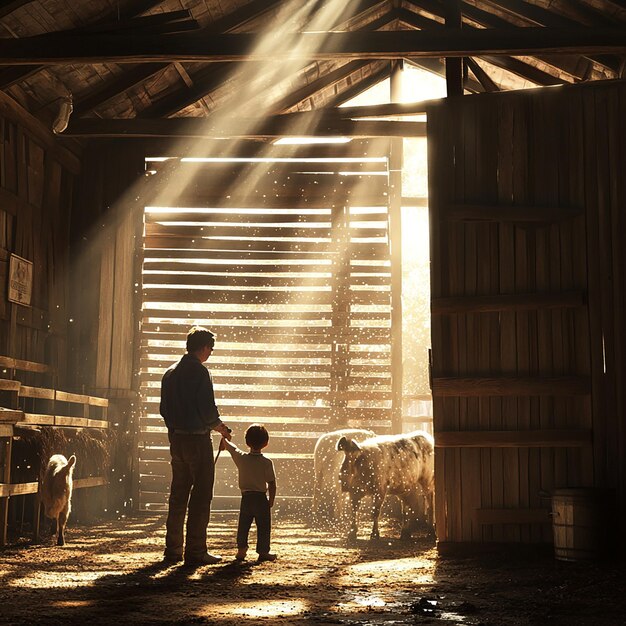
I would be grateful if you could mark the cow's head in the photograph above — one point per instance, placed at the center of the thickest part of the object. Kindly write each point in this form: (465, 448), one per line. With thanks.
(354, 474)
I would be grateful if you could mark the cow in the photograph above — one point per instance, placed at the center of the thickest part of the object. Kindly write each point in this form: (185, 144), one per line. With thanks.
(328, 498)
(56, 492)
(401, 465)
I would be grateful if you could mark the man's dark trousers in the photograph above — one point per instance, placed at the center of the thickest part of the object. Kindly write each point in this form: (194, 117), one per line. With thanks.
(193, 472)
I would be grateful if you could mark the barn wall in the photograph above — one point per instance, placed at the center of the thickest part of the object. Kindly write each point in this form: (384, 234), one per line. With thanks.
(527, 196)
(36, 187)
(106, 227)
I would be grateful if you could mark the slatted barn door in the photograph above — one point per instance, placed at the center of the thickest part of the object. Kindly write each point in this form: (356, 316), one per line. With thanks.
(289, 266)
(511, 344)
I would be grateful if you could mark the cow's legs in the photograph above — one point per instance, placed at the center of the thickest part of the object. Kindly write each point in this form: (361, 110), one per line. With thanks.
(377, 503)
(429, 509)
(410, 509)
(354, 507)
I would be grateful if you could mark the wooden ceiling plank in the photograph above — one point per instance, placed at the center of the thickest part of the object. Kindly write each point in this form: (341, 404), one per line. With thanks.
(9, 7)
(238, 18)
(10, 76)
(202, 83)
(356, 88)
(13, 75)
(330, 79)
(189, 47)
(112, 89)
(141, 23)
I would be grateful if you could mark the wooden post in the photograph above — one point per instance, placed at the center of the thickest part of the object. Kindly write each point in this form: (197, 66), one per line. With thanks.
(5, 468)
(454, 66)
(37, 519)
(341, 313)
(395, 242)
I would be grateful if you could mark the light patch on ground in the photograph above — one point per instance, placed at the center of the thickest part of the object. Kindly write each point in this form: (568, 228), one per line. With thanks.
(416, 569)
(53, 580)
(266, 608)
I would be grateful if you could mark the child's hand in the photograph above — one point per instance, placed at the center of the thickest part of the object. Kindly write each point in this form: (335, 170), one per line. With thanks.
(222, 444)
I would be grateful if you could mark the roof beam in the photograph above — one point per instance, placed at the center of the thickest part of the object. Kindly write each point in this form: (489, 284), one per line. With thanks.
(209, 79)
(194, 47)
(485, 19)
(128, 80)
(515, 66)
(263, 128)
(204, 81)
(533, 14)
(12, 75)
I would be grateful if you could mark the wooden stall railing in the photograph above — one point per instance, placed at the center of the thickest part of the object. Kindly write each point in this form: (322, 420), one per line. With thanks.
(26, 406)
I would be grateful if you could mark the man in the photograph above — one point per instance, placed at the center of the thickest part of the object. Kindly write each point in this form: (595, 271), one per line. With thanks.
(188, 407)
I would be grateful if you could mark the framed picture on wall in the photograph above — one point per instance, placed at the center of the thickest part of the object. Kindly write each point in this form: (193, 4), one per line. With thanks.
(20, 280)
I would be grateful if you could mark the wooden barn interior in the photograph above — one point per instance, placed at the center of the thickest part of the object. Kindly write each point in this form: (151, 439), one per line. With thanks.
(166, 163)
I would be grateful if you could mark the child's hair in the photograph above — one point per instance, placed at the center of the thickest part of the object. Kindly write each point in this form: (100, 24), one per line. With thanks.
(257, 436)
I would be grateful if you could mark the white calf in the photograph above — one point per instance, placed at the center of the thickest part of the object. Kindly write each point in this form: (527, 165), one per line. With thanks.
(56, 492)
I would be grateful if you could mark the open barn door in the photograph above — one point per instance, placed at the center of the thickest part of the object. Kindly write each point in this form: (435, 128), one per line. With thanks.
(511, 348)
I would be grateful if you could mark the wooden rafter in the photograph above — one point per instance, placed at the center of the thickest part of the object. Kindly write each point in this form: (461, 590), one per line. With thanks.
(13, 75)
(346, 73)
(110, 90)
(359, 87)
(532, 14)
(515, 66)
(191, 47)
(128, 80)
(474, 15)
(264, 128)
(204, 81)
(437, 66)
(481, 75)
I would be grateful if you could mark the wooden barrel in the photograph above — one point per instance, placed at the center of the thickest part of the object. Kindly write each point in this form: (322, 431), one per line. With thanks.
(580, 523)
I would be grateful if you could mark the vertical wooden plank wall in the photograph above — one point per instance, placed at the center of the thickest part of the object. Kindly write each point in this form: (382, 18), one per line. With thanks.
(36, 181)
(526, 200)
(106, 232)
(605, 194)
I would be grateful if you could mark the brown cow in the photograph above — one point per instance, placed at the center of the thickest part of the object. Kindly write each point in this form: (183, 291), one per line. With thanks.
(401, 465)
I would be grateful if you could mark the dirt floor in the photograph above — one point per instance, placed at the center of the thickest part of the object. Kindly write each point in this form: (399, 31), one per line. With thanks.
(111, 573)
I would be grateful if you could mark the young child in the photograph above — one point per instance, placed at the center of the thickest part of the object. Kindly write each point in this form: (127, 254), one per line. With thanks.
(256, 476)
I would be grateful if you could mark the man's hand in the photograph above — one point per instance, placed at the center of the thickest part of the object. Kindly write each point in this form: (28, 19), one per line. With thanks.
(222, 443)
(223, 430)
